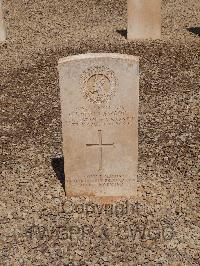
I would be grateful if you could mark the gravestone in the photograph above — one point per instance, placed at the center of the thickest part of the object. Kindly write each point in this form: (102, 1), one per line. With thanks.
(2, 24)
(144, 19)
(99, 106)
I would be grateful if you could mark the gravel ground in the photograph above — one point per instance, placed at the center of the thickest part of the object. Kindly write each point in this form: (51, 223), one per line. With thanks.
(38, 224)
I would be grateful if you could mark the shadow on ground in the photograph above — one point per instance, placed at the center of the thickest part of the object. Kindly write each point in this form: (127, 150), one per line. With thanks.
(195, 30)
(123, 33)
(58, 167)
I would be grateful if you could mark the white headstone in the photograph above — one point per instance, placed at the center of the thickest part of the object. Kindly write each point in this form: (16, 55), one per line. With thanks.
(2, 24)
(99, 103)
(144, 19)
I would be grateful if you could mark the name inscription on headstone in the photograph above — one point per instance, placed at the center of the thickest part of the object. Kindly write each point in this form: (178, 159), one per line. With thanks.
(99, 102)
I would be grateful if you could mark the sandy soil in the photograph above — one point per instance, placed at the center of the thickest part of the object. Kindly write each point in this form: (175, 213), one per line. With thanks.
(38, 224)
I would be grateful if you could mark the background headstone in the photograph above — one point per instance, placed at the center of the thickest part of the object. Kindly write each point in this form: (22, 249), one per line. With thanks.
(2, 24)
(99, 102)
(144, 19)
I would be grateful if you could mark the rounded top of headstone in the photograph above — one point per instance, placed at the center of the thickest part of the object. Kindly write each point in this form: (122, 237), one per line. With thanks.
(97, 55)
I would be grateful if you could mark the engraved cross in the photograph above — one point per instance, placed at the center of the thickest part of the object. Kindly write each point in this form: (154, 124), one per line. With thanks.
(100, 146)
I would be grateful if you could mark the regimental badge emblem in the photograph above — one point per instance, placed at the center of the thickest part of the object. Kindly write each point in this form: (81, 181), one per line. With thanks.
(98, 84)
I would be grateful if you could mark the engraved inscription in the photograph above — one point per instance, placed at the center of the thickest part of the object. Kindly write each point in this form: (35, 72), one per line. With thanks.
(116, 180)
(100, 145)
(112, 116)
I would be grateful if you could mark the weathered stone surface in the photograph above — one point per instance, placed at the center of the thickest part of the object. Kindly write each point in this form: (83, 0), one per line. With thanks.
(144, 19)
(99, 101)
(2, 24)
